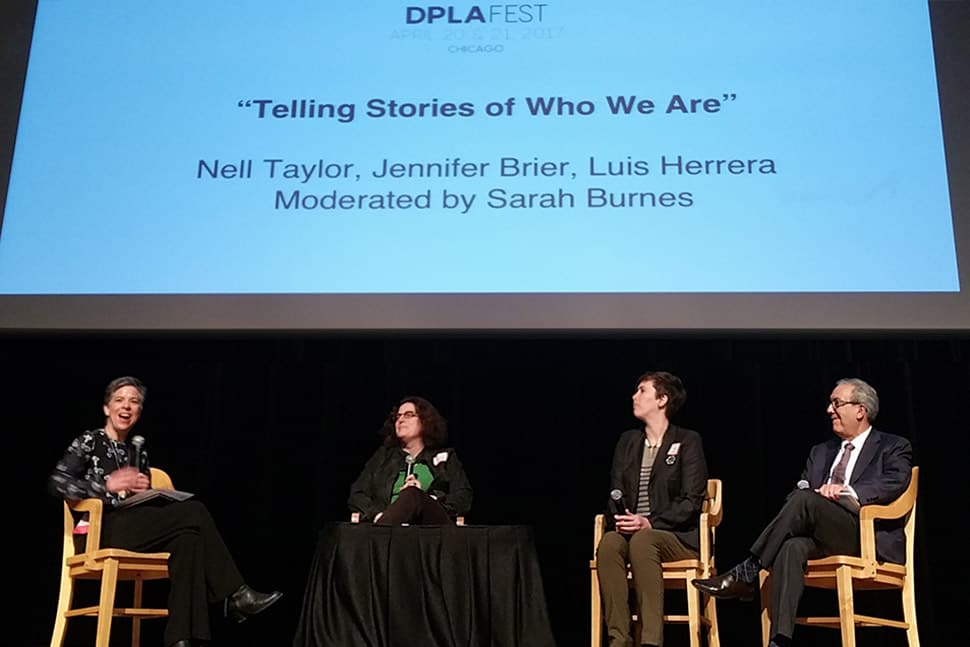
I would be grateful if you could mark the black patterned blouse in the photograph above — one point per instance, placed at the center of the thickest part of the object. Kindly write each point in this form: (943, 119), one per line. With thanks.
(86, 464)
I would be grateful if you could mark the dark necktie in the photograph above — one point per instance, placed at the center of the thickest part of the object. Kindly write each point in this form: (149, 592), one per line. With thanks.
(838, 474)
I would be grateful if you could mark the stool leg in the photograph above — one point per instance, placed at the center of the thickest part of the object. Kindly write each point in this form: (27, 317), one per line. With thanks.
(843, 578)
(109, 582)
(596, 621)
(64, 602)
(713, 637)
(765, 580)
(136, 621)
(693, 611)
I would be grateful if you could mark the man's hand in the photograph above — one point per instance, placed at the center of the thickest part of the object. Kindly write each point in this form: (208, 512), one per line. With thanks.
(831, 490)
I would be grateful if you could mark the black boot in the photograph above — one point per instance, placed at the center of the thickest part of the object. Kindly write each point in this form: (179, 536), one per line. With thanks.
(246, 602)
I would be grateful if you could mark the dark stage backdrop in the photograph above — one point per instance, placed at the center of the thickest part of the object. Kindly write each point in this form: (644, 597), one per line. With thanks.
(270, 431)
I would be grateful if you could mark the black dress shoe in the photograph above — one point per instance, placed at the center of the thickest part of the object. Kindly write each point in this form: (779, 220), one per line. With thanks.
(726, 587)
(181, 643)
(246, 602)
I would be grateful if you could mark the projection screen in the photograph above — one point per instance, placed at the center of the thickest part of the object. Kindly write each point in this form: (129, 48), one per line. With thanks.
(561, 165)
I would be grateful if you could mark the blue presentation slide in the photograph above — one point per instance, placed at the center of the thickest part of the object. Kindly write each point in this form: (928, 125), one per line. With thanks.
(334, 147)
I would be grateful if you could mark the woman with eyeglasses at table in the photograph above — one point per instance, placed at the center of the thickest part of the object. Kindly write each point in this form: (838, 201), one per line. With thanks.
(412, 478)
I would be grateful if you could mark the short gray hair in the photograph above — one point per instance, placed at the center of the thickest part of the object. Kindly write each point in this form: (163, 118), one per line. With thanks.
(120, 382)
(863, 393)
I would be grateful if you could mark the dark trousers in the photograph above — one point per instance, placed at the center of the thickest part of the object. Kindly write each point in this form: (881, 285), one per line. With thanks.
(808, 526)
(414, 505)
(201, 570)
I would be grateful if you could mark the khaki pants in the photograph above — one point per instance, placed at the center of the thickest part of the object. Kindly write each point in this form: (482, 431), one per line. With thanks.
(643, 551)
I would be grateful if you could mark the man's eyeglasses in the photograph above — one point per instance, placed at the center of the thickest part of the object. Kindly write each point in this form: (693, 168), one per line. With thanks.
(836, 403)
(406, 415)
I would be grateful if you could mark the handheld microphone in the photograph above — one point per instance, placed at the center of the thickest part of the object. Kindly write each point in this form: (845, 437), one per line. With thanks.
(616, 502)
(410, 469)
(137, 442)
(803, 485)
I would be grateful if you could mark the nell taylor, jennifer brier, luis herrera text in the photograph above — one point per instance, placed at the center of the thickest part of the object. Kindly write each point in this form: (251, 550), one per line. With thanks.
(506, 167)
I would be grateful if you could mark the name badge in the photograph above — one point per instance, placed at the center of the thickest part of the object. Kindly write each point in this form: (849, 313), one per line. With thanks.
(672, 454)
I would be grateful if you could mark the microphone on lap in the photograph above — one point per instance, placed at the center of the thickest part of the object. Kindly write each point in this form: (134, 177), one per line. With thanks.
(803, 485)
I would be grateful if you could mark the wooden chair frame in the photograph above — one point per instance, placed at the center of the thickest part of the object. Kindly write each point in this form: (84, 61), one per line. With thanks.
(677, 575)
(109, 566)
(846, 574)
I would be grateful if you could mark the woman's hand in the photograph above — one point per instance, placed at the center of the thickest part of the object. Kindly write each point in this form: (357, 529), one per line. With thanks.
(411, 481)
(629, 523)
(127, 479)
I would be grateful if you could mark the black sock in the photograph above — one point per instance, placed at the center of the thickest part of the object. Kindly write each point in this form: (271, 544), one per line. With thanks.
(747, 571)
(781, 641)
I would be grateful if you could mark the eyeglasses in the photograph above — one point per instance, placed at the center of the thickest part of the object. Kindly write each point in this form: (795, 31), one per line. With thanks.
(407, 415)
(835, 403)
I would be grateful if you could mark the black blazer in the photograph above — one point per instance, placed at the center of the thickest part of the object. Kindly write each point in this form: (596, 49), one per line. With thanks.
(678, 480)
(880, 475)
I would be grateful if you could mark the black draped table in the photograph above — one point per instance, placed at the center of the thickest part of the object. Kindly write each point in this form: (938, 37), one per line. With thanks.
(434, 586)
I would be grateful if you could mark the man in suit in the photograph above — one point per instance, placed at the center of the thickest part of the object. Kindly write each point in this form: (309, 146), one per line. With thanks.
(662, 474)
(861, 466)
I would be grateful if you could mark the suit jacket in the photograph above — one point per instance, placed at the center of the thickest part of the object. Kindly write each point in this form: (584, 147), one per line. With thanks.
(678, 480)
(881, 473)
